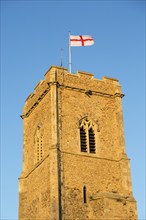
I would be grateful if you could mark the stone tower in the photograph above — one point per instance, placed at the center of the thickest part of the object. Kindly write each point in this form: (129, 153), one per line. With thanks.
(74, 162)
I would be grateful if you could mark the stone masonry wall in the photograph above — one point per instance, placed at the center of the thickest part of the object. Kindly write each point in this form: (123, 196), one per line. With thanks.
(36, 189)
(34, 182)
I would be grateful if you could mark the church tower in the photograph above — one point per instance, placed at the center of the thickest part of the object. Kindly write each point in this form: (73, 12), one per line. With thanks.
(74, 162)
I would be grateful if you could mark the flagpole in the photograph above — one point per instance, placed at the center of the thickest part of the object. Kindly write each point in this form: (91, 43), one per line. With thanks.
(70, 63)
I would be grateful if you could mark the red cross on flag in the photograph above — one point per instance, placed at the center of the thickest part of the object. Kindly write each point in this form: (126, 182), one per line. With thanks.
(84, 40)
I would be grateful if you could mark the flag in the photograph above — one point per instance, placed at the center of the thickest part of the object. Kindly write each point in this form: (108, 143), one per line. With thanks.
(84, 40)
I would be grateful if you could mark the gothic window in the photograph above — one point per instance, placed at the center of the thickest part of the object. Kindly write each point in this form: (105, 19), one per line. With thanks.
(39, 143)
(83, 140)
(87, 136)
(91, 141)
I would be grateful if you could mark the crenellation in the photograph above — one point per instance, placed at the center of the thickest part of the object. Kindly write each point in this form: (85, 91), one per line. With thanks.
(38, 86)
(80, 81)
(33, 100)
(85, 74)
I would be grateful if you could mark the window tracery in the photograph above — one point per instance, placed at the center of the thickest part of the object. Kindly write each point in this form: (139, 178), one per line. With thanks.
(87, 135)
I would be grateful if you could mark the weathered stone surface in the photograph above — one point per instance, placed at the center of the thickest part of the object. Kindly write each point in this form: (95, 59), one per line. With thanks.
(52, 184)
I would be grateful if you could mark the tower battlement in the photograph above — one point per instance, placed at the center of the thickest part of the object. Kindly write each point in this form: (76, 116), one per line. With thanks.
(81, 81)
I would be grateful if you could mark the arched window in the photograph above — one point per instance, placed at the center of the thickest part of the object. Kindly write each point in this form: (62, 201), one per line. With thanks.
(39, 143)
(91, 141)
(83, 140)
(87, 136)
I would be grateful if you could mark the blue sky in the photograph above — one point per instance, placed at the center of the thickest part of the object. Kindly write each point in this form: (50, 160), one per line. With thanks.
(32, 35)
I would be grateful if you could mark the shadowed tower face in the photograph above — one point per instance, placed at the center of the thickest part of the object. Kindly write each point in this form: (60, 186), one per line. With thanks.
(74, 160)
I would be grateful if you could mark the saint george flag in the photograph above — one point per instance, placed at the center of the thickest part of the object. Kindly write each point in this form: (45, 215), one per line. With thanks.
(84, 40)
(78, 41)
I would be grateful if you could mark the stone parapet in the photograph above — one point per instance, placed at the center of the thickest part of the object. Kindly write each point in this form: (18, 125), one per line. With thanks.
(81, 81)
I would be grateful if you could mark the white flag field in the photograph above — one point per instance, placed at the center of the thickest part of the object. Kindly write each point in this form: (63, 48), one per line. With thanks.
(83, 40)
